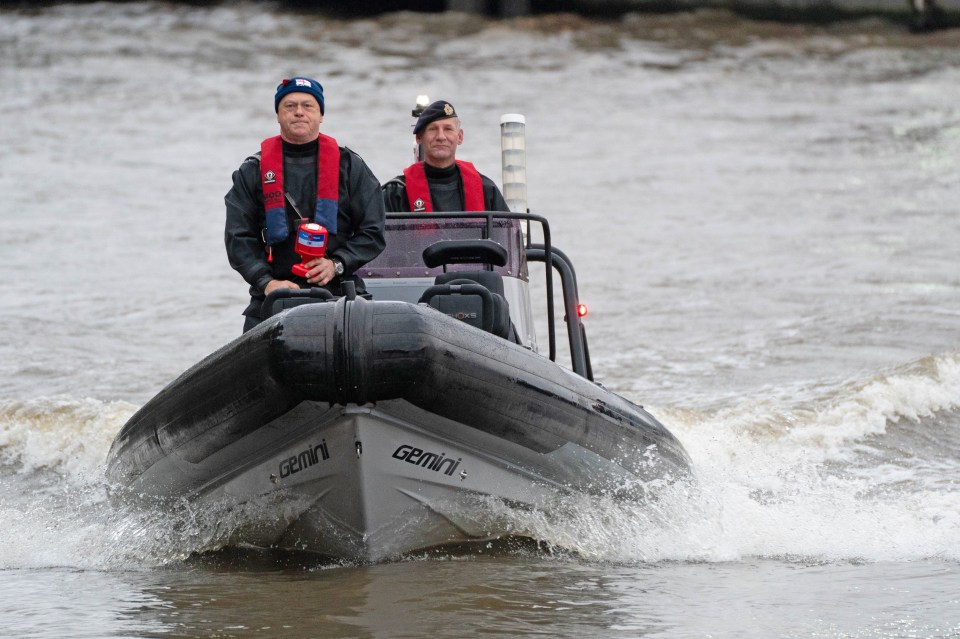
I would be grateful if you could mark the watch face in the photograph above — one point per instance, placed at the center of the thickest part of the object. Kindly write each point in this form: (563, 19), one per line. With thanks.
(338, 267)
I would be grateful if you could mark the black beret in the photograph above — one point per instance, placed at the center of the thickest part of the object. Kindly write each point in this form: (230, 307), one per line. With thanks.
(439, 110)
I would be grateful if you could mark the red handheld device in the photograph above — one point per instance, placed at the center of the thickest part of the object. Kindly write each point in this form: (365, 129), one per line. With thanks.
(311, 244)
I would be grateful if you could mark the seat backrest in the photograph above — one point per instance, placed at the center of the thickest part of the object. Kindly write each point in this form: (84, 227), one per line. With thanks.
(447, 297)
(492, 280)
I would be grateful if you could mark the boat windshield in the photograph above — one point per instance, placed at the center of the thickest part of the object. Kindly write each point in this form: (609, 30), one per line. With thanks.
(408, 234)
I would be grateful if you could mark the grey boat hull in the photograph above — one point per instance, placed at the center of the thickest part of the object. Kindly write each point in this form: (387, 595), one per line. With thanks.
(367, 430)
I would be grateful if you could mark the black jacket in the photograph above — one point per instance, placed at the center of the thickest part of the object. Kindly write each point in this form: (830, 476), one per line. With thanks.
(360, 220)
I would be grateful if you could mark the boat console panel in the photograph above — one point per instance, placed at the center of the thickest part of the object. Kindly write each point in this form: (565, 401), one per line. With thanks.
(472, 239)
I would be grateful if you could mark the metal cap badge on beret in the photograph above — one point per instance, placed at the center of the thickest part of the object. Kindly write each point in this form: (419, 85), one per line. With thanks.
(439, 110)
(298, 84)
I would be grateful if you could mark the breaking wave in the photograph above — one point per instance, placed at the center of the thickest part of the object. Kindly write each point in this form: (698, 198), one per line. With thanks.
(861, 474)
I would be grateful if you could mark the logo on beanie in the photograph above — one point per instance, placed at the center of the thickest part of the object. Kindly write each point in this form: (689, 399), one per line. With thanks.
(419, 206)
(303, 83)
(269, 177)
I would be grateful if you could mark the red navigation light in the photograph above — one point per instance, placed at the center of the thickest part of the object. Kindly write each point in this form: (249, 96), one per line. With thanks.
(581, 310)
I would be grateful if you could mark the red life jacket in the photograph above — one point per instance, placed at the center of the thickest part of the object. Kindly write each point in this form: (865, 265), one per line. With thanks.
(328, 185)
(418, 191)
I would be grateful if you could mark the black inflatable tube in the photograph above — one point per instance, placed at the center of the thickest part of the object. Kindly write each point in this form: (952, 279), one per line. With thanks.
(360, 352)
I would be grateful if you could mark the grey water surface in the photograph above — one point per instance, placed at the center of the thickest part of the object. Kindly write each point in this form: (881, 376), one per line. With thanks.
(764, 222)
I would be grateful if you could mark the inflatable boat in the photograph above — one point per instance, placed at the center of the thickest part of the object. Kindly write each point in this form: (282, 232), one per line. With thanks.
(420, 415)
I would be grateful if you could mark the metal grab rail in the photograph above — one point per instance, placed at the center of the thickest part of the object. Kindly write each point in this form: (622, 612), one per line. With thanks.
(576, 333)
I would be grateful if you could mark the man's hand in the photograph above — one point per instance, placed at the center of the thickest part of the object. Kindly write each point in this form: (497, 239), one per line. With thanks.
(321, 271)
(278, 284)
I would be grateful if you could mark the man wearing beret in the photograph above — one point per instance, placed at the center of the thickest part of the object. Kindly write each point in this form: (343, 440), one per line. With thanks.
(301, 175)
(441, 182)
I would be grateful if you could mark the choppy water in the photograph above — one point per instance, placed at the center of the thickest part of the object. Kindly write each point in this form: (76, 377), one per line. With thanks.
(764, 221)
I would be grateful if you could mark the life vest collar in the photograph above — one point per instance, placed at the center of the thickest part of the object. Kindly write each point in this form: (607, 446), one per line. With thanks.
(328, 184)
(418, 190)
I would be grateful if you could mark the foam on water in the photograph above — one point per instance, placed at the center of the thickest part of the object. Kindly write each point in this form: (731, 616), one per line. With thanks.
(858, 475)
(853, 476)
(806, 481)
(62, 435)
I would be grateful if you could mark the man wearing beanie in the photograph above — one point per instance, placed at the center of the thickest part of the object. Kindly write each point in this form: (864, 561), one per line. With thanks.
(441, 182)
(300, 176)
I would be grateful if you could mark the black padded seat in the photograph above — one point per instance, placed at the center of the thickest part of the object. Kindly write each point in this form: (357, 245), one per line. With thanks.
(476, 299)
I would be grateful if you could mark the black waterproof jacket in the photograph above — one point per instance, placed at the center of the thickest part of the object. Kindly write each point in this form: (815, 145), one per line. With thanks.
(360, 220)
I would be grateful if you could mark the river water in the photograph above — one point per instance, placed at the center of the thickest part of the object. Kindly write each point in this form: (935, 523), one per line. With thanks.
(764, 220)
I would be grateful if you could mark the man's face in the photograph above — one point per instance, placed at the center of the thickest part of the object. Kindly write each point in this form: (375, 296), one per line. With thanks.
(299, 117)
(439, 141)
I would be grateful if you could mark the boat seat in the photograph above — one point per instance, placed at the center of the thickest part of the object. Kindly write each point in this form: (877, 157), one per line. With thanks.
(474, 297)
(284, 298)
(492, 280)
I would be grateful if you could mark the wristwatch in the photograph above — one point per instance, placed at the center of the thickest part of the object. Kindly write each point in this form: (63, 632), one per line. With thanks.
(337, 266)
